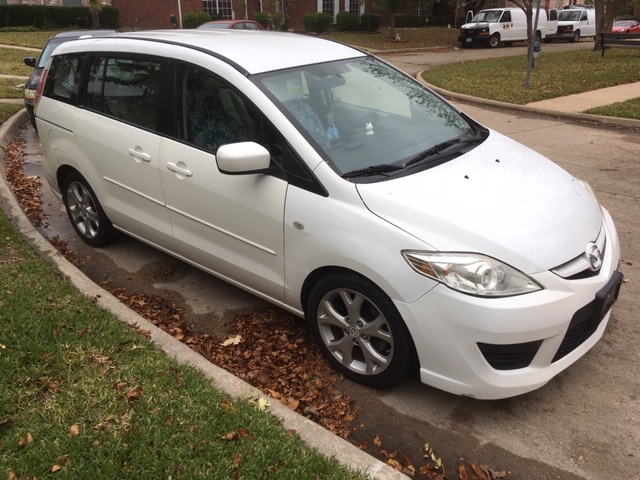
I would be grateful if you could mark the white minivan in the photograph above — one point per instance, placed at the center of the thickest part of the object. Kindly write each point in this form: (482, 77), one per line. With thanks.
(324, 180)
(504, 25)
(574, 24)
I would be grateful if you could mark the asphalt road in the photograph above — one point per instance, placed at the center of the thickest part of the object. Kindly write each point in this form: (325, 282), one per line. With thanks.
(585, 424)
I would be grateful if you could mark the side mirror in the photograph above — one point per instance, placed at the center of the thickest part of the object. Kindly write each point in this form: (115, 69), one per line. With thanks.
(30, 62)
(242, 158)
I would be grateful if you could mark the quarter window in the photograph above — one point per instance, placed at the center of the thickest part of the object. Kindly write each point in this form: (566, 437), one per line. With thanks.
(62, 79)
(125, 88)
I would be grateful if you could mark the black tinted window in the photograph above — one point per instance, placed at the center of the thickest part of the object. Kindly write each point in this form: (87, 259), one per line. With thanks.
(125, 88)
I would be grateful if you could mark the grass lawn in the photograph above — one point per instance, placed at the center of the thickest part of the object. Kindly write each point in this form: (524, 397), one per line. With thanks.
(83, 395)
(628, 109)
(8, 88)
(8, 110)
(432, 37)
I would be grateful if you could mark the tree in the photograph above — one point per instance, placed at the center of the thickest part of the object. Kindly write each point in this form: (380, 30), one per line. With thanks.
(529, 7)
(606, 11)
(393, 7)
(95, 7)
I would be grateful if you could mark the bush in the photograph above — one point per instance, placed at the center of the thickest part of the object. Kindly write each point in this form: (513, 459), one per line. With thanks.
(410, 21)
(280, 22)
(370, 22)
(194, 19)
(347, 22)
(441, 21)
(262, 18)
(316, 22)
(432, 21)
(47, 17)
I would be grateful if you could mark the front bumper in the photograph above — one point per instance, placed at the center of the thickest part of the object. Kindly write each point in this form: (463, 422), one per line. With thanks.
(474, 39)
(499, 348)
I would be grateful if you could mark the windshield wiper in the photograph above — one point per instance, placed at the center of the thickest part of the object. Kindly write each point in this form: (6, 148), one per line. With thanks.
(439, 148)
(373, 170)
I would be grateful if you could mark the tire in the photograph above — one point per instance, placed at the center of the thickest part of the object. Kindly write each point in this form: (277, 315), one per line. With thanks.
(85, 212)
(359, 330)
(494, 41)
(576, 37)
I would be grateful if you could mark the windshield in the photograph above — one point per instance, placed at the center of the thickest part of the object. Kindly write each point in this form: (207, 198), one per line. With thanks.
(362, 113)
(569, 16)
(490, 16)
(214, 26)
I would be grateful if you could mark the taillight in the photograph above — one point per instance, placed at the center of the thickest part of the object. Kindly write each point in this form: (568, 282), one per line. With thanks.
(43, 79)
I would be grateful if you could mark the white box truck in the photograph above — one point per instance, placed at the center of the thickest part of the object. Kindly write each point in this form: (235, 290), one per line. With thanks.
(575, 23)
(504, 25)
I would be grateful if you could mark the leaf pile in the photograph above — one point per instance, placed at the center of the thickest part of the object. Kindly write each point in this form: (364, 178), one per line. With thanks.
(269, 349)
(27, 189)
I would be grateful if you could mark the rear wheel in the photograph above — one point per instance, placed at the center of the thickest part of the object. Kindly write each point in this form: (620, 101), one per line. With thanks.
(359, 330)
(85, 212)
(494, 41)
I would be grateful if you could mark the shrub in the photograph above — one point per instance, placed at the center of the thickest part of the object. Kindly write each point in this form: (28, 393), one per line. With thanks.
(346, 21)
(194, 19)
(316, 22)
(432, 20)
(280, 22)
(441, 21)
(370, 22)
(55, 18)
(404, 20)
(262, 18)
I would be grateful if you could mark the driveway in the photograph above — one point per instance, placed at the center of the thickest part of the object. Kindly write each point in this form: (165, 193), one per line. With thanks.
(585, 424)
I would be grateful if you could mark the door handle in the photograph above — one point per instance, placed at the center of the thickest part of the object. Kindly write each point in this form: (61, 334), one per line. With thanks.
(175, 168)
(139, 154)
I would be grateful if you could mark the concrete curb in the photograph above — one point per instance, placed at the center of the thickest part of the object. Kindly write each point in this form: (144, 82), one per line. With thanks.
(584, 117)
(311, 433)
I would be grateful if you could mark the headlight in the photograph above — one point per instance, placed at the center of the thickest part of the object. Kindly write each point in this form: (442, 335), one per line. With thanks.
(29, 94)
(471, 273)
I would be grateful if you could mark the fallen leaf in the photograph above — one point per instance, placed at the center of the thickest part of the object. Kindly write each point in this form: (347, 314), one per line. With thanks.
(232, 341)
(74, 430)
(377, 442)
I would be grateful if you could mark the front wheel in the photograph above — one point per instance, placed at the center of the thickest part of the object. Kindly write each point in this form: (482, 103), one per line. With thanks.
(359, 330)
(494, 41)
(576, 37)
(85, 212)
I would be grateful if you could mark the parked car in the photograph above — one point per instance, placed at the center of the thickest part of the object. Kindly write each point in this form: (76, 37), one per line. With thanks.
(234, 24)
(626, 26)
(324, 180)
(575, 23)
(32, 83)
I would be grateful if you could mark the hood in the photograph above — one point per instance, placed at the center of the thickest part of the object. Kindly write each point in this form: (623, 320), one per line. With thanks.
(468, 26)
(500, 199)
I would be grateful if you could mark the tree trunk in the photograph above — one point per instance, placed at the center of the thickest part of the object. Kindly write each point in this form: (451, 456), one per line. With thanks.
(605, 15)
(392, 26)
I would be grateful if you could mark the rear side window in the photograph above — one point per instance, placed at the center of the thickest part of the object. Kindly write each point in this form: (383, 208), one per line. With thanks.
(125, 88)
(63, 77)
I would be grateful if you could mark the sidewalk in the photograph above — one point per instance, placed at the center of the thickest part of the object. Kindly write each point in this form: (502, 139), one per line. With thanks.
(581, 102)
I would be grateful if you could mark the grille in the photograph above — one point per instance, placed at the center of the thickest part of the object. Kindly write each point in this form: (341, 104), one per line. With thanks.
(587, 320)
(509, 357)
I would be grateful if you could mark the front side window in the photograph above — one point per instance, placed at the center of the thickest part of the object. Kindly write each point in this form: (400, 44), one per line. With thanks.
(209, 112)
(63, 77)
(125, 88)
(362, 113)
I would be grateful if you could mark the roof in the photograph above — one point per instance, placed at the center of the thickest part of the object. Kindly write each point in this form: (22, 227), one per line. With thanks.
(253, 51)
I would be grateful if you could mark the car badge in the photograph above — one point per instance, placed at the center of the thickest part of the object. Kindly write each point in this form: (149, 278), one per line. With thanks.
(595, 257)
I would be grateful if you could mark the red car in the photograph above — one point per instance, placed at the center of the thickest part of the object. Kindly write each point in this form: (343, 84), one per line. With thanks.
(626, 26)
(235, 24)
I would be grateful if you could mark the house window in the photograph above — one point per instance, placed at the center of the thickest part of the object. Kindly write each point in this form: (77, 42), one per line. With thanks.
(354, 6)
(222, 9)
(493, 3)
(419, 9)
(328, 6)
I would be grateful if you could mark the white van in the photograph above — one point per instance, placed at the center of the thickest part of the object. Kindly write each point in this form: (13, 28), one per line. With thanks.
(340, 189)
(574, 24)
(504, 25)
